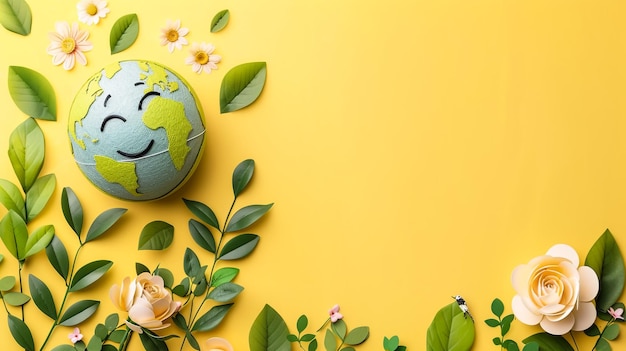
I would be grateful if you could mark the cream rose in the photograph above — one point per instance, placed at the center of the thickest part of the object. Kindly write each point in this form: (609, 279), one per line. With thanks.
(148, 303)
(216, 344)
(554, 292)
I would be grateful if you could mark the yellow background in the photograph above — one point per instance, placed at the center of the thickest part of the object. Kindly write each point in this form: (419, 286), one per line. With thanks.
(414, 150)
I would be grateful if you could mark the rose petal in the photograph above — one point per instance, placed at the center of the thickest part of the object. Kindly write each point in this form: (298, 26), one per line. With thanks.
(215, 343)
(558, 328)
(589, 283)
(522, 313)
(519, 278)
(565, 251)
(585, 315)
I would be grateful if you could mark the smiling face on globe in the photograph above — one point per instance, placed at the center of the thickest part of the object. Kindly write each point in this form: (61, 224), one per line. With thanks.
(136, 130)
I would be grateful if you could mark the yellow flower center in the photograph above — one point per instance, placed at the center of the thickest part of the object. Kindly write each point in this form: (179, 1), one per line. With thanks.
(172, 36)
(91, 9)
(202, 57)
(68, 45)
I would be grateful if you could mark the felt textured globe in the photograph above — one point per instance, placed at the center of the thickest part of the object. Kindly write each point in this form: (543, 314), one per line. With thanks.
(137, 130)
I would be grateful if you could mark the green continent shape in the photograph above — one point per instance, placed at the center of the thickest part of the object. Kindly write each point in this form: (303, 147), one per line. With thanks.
(81, 105)
(170, 115)
(122, 173)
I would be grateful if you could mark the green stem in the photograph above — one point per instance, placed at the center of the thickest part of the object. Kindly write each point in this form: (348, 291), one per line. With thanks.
(601, 333)
(574, 340)
(19, 274)
(125, 339)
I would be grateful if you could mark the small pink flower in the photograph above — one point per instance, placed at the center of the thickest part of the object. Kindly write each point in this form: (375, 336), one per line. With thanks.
(616, 314)
(75, 336)
(334, 314)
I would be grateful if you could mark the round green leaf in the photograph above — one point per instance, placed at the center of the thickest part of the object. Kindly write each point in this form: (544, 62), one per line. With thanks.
(269, 332)
(39, 194)
(340, 328)
(167, 275)
(11, 197)
(611, 332)
(124, 33)
(15, 16)
(239, 247)
(7, 283)
(156, 235)
(57, 255)
(606, 260)
(26, 152)
(242, 85)
(219, 21)
(302, 323)
(32, 93)
(89, 274)
(212, 318)
(20, 332)
(104, 222)
(497, 307)
(79, 312)
(392, 343)
(242, 175)
(15, 298)
(357, 336)
(246, 216)
(72, 210)
(42, 296)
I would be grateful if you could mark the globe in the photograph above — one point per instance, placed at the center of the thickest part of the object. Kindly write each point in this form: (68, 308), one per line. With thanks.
(136, 130)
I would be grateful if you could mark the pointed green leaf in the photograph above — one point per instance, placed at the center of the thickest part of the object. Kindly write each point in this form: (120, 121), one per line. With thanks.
(497, 307)
(450, 330)
(191, 263)
(72, 210)
(11, 198)
(14, 234)
(150, 343)
(15, 16)
(239, 247)
(242, 85)
(357, 336)
(57, 255)
(246, 216)
(302, 323)
(606, 260)
(330, 343)
(156, 235)
(242, 175)
(89, 274)
(42, 296)
(225, 292)
(204, 212)
(124, 33)
(212, 318)
(32, 93)
(26, 152)
(531, 346)
(65, 347)
(39, 239)
(602, 345)
(611, 332)
(220, 20)
(112, 321)
(104, 222)
(7, 283)
(269, 332)
(339, 328)
(39, 194)
(15, 298)
(202, 235)
(224, 275)
(549, 342)
(141, 268)
(79, 312)
(21, 333)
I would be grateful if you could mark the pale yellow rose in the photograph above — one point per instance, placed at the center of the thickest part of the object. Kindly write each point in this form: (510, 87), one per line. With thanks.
(124, 296)
(216, 344)
(554, 292)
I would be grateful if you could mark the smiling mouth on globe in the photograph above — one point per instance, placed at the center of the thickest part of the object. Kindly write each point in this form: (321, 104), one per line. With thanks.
(139, 154)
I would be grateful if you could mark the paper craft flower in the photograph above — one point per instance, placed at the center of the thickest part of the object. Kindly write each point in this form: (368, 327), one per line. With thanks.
(90, 11)
(334, 314)
(75, 336)
(173, 35)
(68, 44)
(201, 58)
(148, 303)
(616, 314)
(216, 344)
(554, 292)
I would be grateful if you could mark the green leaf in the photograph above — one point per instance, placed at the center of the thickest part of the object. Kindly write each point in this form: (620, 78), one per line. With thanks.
(531, 346)
(242, 175)
(593, 330)
(204, 212)
(506, 323)
(156, 235)
(15, 298)
(202, 235)
(89, 274)
(141, 268)
(72, 210)
(313, 345)
(65, 347)
(510, 345)
(497, 307)
(167, 275)
(95, 343)
(220, 20)
(38, 195)
(224, 275)
(242, 85)
(14, 234)
(112, 321)
(330, 343)
(239, 247)
(21, 333)
(450, 330)
(26, 152)
(32, 93)
(38, 240)
(104, 222)
(492, 322)
(225, 292)
(269, 332)
(302, 323)
(549, 342)
(392, 343)
(11, 198)
(79, 312)
(191, 263)
(124, 33)
(339, 328)
(606, 260)
(246, 216)
(57, 255)
(151, 343)
(603, 345)
(212, 318)
(7, 283)
(611, 332)
(357, 336)
(42, 297)
(15, 16)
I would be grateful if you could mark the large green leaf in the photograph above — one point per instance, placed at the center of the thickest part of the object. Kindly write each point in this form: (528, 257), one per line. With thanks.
(225, 292)
(242, 85)
(89, 274)
(26, 152)
(42, 296)
(156, 235)
(124, 33)
(549, 342)
(11, 198)
(357, 336)
(204, 212)
(21, 333)
(606, 260)
(219, 21)
(450, 330)
(39, 239)
(224, 275)
(57, 255)
(202, 235)
(39, 194)
(14, 234)
(239, 247)
(104, 222)
(32, 93)
(15, 16)
(79, 312)
(246, 216)
(269, 332)
(72, 210)
(14, 298)
(212, 318)
(7, 283)
(242, 175)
